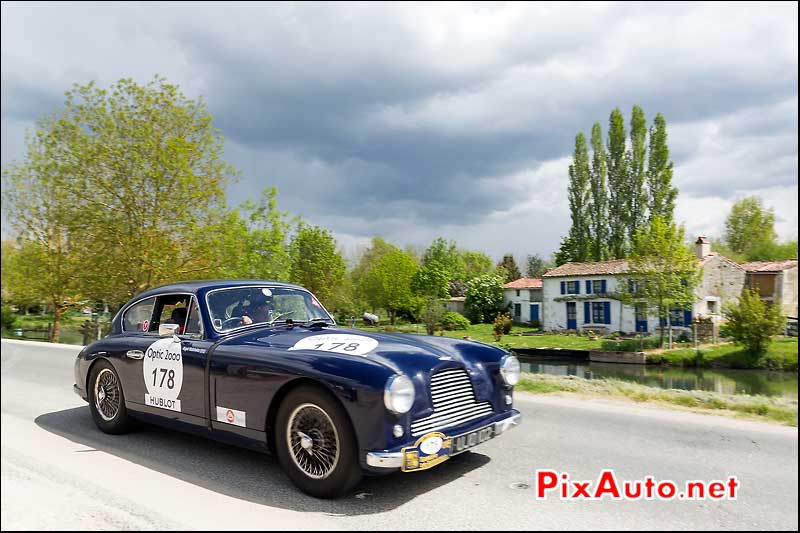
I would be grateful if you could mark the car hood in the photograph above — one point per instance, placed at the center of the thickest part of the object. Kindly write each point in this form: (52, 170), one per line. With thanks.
(406, 353)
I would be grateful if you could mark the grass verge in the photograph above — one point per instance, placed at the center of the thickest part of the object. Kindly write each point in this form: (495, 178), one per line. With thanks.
(781, 355)
(772, 409)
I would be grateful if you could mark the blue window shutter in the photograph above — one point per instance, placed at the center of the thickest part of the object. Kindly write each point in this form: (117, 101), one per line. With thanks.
(687, 317)
(607, 311)
(563, 287)
(588, 287)
(587, 313)
(603, 286)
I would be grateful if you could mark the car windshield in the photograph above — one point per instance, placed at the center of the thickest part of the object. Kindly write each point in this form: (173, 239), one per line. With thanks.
(243, 306)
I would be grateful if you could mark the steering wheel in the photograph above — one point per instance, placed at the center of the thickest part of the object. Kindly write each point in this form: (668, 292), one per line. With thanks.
(232, 322)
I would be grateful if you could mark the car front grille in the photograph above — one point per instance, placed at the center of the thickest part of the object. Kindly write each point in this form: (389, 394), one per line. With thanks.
(454, 402)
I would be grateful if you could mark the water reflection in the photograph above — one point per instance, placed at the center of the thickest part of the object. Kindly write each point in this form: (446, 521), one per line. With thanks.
(724, 381)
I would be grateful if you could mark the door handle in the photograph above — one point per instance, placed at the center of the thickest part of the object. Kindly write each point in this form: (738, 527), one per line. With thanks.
(135, 354)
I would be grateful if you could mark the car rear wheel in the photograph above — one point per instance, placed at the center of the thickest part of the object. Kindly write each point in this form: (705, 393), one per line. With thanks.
(106, 399)
(315, 443)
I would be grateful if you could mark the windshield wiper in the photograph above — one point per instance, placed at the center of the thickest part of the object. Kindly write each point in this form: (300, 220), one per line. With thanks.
(314, 323)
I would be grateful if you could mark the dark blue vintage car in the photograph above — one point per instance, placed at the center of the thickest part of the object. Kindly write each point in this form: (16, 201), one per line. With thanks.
(262, 364)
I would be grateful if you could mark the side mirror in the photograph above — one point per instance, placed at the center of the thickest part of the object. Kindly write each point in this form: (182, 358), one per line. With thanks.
(167, 330)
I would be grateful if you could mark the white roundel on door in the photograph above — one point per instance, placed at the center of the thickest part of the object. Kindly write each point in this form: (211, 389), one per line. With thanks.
(336, 342)
(163, 374)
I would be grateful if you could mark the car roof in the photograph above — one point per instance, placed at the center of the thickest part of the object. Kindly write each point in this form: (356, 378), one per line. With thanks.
(207, 284)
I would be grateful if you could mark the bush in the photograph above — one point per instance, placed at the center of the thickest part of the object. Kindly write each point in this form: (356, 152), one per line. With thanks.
(8, 318)
(752, 323)
(453, 321)
(432, 314)
(484, 298)
(630, 345)
(502, 326)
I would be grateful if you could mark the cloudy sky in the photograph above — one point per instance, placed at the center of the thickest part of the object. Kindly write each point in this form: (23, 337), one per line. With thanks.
(414, 121)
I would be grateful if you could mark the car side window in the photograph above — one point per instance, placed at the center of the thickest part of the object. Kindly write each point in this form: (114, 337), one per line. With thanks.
(138, 317)
(194, 328)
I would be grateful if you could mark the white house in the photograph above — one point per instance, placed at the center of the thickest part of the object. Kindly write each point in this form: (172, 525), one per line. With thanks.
(523, 298)
(585, 295)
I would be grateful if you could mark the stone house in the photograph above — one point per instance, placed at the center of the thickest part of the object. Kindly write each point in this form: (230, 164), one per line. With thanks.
(776, 281)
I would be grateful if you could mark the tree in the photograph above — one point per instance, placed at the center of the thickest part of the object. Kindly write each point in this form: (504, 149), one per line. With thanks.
(752, 322)
(637, 194)
(316, 264)
(140, 179)
(750, 227)
(475, 264)
(659, 173)
(510, 265)
(366, 261)
(257, 247)
(663, 271)
(388, 283)
(535, 266)
(577, 244)
(431, 280)
(484, 298)
(446, 254)
(599, 197)
(617, 181)
(38, 203)
(433, 312)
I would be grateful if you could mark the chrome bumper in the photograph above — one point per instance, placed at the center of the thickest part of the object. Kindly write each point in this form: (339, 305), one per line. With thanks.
(395, 459)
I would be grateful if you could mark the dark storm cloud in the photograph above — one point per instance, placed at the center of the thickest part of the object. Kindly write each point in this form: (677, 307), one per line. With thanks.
(408, 119)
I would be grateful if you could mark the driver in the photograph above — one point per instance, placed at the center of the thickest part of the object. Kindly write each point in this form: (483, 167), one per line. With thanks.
(259, 311)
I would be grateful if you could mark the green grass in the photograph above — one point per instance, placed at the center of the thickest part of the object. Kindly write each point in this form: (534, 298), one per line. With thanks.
(774, 409)
(781, 355)
(483, 333)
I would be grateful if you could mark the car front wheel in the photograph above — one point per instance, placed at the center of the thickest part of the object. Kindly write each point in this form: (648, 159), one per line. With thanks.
(106, 399)
(315, 443)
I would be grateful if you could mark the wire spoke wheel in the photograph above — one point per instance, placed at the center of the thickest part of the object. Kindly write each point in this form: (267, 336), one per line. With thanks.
(107, 395)
(313, 441)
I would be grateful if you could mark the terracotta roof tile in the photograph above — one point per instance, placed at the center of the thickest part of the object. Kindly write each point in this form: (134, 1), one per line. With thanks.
(524, 283)
(769, 266)
(614, 266)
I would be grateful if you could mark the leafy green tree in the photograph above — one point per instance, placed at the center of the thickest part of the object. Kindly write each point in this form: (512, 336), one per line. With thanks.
(636, 193)
(38, 202)
(140, 176)
(484, 298)
(752, 322)
(475, 264)
(431, 280)
(662, 269)
(750, 227)
(17, 287)
(387, 284)
(578, 240)
(316, 264)
(659, 173)
(510, 265)
(617, 187)
(599, 197)
(535, 266)
(258, 246)
(366, 261)
(446, 254)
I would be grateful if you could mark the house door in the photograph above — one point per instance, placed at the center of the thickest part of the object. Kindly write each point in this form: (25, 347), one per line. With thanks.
(534, 312)
(517, 312)
(572, 316)
(641, 318)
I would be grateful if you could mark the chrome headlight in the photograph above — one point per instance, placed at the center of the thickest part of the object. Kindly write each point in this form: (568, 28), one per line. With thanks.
(398, 396)
(510, 369)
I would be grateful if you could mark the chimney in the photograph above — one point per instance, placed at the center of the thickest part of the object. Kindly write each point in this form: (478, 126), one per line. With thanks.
(702, 247)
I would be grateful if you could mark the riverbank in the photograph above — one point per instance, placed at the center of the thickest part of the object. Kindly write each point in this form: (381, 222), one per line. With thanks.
(780, 355)
(772, 409)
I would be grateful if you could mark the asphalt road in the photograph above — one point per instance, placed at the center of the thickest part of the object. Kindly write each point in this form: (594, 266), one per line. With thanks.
(60, 472)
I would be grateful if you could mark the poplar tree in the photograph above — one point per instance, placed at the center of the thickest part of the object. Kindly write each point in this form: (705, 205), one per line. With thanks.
(662, 194)
(599, 196)
(577, 244)
(636, 192)
(617, 180)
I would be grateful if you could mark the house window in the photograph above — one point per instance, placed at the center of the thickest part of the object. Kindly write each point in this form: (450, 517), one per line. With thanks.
(517, 292)
(573, 287)
(712, 307)
(599, 313)
(598, 286)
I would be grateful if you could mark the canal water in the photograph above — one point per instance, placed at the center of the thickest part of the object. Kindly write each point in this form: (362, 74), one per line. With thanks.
(763, 382)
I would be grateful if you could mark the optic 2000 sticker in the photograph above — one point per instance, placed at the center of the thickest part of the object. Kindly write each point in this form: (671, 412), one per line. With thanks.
(163, 374)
